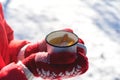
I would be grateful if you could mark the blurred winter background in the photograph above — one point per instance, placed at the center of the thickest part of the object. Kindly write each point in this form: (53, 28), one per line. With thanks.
(97, 22)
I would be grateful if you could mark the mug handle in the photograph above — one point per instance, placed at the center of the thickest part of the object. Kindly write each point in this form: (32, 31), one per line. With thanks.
(83, 47)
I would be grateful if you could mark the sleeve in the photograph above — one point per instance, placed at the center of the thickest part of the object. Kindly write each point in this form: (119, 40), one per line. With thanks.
(8, 29)
(12, 72)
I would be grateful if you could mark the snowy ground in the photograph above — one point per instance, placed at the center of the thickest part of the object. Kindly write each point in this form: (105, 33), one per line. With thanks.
(97, 22)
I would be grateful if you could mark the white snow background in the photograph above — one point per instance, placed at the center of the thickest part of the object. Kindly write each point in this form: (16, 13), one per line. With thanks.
(97, 22)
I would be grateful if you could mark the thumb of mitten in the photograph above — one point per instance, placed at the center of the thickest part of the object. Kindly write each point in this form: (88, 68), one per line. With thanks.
(35, 47)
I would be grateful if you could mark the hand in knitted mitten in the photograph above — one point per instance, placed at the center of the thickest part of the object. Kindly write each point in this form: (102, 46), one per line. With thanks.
(39, 65)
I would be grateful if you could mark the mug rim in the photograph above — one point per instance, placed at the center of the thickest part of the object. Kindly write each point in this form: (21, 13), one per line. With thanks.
(61, 46)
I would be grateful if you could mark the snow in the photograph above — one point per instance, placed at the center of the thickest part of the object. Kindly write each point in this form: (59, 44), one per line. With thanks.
(97, 22)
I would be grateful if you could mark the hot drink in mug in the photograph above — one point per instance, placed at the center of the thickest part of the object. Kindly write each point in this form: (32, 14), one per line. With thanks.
(62, 41)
